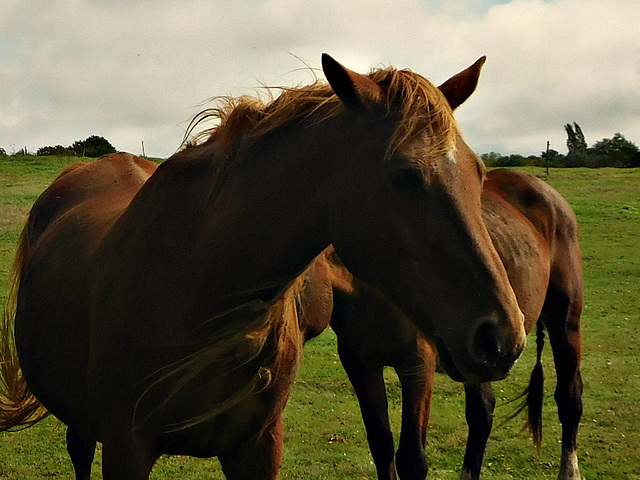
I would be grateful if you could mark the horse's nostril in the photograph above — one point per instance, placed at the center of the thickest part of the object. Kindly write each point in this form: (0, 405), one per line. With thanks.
(484, 343)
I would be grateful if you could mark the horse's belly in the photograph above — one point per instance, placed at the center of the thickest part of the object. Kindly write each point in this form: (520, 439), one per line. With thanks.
(186, 402)
(52, 337)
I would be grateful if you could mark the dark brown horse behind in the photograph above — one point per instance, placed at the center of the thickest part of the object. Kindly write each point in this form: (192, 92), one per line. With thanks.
(536, 234)
(156, 309)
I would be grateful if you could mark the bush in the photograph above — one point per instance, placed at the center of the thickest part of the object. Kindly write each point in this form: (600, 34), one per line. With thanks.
(58, 150)
(93, 146)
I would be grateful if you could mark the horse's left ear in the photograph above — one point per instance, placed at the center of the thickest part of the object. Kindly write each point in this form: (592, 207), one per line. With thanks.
(460, 87)
(358, 93)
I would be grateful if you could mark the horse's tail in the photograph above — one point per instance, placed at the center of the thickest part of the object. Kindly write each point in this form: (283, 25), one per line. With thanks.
(534, 394)
(19, 408)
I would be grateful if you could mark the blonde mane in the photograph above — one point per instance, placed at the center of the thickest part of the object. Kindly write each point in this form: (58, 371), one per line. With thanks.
(419, 104)
(253, 329)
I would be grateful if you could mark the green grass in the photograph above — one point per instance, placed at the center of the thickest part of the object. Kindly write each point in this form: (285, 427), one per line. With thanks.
(325, 437)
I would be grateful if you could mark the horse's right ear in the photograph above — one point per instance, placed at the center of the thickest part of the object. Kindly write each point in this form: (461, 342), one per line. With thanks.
(358, 93)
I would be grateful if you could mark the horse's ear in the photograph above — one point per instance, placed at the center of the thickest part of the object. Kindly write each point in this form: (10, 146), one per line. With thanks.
(357, 92)
(460, 87)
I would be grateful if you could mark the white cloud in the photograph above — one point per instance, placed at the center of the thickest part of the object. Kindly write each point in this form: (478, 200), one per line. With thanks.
(138, 70)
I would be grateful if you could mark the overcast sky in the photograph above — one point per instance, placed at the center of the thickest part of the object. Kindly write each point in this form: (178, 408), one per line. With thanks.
(134, 71)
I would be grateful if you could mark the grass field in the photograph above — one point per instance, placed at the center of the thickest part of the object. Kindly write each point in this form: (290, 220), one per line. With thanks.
(325, 437)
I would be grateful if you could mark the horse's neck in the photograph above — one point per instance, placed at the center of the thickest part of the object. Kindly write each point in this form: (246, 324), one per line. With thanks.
(266, 223)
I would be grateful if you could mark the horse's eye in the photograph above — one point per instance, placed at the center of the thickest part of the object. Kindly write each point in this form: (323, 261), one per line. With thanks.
(407, 178)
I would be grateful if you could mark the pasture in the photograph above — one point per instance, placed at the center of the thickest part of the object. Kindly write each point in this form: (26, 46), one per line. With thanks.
(324, 434)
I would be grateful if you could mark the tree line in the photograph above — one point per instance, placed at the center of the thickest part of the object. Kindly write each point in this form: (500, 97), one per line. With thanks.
(93, 146)
(608, 152)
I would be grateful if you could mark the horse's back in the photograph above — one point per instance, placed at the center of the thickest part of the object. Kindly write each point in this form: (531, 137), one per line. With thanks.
(535, 232)
(538, 201)
(64, 227)
(114, 175)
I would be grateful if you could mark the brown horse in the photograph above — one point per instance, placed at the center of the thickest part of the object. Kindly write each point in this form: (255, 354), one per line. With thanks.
(535, 232)
(159, 316)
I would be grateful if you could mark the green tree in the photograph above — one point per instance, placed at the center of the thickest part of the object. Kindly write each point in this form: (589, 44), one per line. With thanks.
(553, 158)
(491, 159)
(576, 145)
(615, 152)
(93, 146)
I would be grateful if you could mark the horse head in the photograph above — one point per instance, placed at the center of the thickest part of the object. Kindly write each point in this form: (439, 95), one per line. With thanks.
(406, 217)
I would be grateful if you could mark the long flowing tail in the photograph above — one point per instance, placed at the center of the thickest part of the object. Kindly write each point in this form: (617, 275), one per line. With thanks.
(19, 408)
(534, 394)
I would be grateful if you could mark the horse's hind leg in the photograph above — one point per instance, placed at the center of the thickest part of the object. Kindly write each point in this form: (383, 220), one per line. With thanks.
(480, 402)
(81, 450)
(562, 318)
(416, 378)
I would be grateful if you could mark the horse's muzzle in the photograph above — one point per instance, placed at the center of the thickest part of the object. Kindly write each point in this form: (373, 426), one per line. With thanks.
(489, 354)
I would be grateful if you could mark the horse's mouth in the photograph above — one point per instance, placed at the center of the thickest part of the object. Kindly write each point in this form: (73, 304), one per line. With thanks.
(471, 372)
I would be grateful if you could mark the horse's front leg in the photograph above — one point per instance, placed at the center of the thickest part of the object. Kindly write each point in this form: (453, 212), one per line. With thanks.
(480, 403)
(255, 459)
(416, 377)
(127, 457)
(81, 450)
(368, 383)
